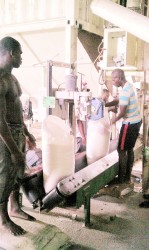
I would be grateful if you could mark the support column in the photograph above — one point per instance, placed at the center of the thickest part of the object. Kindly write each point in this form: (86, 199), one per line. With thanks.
(87, 208)
(71, 32)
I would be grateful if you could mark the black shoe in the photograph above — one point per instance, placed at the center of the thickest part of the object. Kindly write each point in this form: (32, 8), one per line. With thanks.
(144, 204)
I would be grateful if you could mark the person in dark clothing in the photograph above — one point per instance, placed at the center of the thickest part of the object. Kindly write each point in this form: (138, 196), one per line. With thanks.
(12, 137)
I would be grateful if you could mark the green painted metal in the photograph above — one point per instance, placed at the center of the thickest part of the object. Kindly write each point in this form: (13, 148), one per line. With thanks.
(84, 194)
(93, 186)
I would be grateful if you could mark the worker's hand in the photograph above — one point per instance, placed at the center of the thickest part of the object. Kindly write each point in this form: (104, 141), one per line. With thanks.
(113, 109)
(113, 120)
(84, 140)
(31, 144)
(31, 138)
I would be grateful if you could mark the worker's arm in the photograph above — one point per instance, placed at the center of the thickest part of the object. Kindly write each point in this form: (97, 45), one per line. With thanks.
(120, 115)
(112, 103)
(113, 109)
(30, 137)
(81, 130)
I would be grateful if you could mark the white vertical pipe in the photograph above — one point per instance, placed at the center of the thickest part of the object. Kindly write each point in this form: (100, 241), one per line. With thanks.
(124, 18)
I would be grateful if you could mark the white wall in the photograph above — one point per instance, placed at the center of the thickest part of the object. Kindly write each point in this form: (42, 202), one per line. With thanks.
(38, 47)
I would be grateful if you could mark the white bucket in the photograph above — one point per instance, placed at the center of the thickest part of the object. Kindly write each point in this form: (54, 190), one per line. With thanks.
(58, 152)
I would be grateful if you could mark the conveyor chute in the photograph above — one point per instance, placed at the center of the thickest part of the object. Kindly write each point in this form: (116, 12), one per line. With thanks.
(84, 183)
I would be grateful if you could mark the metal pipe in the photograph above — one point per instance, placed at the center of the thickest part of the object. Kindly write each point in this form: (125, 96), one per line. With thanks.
(124, 18)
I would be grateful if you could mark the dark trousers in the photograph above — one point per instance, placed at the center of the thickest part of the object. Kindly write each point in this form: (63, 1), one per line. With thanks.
(8, 174)
(127, 140)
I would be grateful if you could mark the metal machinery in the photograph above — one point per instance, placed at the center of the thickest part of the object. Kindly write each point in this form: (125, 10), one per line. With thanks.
(83, 183)
(86, 182)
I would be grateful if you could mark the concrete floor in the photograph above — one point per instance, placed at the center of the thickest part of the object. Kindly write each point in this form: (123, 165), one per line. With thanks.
(116, 223)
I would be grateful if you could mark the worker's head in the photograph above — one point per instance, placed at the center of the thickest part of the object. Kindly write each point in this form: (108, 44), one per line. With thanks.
(118, 77)
(105, 95)
(10, 53)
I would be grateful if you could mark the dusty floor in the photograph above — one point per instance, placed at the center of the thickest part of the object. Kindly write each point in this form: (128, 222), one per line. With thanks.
(116, 223)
